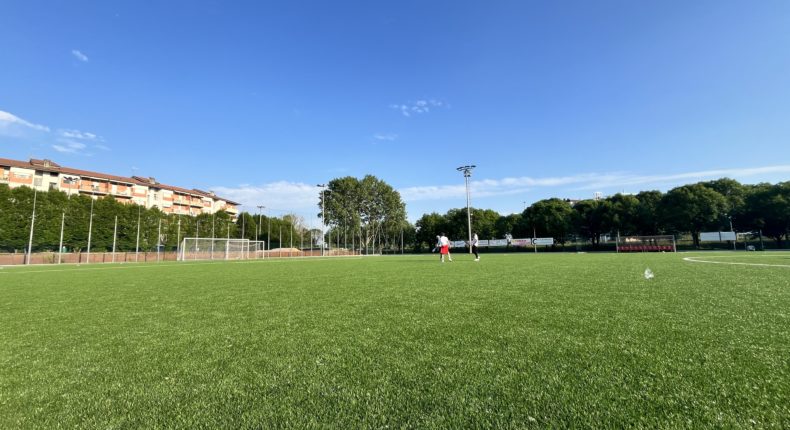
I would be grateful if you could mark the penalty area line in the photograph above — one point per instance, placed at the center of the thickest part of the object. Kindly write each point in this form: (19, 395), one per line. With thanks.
(72, 267)
(733, 263)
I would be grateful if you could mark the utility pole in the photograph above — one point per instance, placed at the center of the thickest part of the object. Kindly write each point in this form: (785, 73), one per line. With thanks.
(467, 171)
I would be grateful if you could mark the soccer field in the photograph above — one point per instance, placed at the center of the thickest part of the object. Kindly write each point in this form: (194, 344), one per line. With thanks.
(518, 340)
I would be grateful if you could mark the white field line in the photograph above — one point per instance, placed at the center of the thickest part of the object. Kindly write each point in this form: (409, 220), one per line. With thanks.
(697, 260)
(119, 266)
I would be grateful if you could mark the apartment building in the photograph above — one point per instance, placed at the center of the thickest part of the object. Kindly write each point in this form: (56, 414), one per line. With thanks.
(45, 175)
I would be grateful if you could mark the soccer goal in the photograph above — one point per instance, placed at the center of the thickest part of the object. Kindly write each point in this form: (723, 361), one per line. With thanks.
(664, 243)
(202, 248)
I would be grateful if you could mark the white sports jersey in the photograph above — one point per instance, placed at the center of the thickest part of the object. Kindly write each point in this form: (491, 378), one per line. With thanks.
(444, 241)
(474, 240)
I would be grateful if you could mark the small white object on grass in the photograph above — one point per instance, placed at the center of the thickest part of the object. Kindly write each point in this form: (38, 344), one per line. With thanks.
(649, 273)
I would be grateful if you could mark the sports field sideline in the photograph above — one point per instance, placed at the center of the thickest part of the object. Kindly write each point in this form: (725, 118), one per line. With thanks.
(515, 340)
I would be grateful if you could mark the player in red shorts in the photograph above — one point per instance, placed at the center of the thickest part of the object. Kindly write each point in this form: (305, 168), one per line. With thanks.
(444, 248)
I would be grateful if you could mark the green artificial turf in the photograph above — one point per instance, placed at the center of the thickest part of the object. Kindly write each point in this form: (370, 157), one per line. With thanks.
(512, 341)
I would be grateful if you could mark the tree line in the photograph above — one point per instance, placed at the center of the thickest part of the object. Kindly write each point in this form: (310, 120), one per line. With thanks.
(55, 211)
(688, 209)
(368, 213)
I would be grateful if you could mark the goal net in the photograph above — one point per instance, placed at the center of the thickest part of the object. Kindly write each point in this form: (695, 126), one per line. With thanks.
(201, 248)
(646, 244)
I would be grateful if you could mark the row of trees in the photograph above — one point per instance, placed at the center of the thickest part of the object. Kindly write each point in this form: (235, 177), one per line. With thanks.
(369, 213)
(56, 211)
(689, 209)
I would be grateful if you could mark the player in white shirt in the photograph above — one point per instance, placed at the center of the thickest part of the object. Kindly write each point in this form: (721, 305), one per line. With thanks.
(444, 248)
(474, 247)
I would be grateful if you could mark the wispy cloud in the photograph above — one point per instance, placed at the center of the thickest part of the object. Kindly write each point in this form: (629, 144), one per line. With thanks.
(418, 107)
(616, 181)
(386, 137)
(68, 141)
(69, 146)
(78, 142)
(76, 134)
(280, 196)
(79, 55)
(12, 125)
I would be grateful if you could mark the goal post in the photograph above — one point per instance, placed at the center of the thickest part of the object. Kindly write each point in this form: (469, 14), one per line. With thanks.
(206, 248)
(659, 243)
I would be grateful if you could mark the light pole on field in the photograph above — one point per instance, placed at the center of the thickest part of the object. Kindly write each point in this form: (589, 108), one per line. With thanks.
(258, 227)
(69, 181)
(467, 170)
(729, 217)
(90, 233)
(32, 225)
(323, 215)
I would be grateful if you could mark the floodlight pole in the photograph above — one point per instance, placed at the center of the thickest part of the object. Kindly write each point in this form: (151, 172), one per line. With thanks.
(90, 233)
(60, 244)
(734, 242)
(257, 227)
(137, 245)
(32, 224)
(323, 216)
(68, 181)
(467, 170)
(159, 241)
(115, 237)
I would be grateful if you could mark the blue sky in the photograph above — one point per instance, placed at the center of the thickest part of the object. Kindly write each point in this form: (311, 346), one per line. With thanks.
(262, 100)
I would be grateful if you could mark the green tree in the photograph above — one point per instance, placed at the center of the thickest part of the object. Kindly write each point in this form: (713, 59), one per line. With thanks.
(427, 228)
(622, 214)
(768, 210)
(370, 207)
(692, 208)
(590, 219)
(549, 217)
(735, 195)
(647, 221)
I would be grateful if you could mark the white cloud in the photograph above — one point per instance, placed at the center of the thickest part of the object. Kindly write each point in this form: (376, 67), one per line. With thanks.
(278, 197)
(76, 134)
(79, 55)
(69, 146)
(63, 140)
(587, 181)
(12, 125)
(76, 142)
(418, 107)
(387, 137)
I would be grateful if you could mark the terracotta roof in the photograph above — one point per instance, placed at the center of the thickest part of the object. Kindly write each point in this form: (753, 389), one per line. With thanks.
(49, 166)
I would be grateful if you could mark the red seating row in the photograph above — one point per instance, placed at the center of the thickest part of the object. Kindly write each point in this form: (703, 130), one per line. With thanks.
(645, 248)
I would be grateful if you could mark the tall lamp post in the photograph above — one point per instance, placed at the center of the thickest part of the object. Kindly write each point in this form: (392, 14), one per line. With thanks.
(467, 170)
(323, 216)
(32, 225)
(258, 228)
(734, 242)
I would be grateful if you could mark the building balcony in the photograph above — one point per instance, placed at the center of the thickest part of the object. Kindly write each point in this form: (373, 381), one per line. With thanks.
(94, 190)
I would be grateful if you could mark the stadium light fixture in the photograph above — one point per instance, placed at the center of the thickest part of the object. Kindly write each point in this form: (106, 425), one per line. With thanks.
(467, 171)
